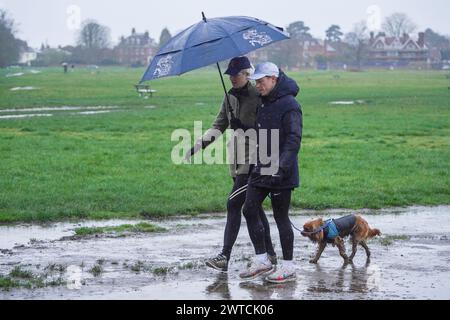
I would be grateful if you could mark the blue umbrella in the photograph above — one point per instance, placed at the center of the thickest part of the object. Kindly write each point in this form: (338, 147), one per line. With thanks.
(211, 41)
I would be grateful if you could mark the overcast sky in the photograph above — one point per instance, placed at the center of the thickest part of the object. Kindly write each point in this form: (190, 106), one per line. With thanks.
(55, 21)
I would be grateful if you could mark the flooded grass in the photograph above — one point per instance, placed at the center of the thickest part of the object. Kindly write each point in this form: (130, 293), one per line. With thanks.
(142, 227)
(54, 267)
(171, 265)
(389, 240)
(191, 265)
(137, 267)
(20, 278)
(163, 271)
(96, 270)
(17, 272)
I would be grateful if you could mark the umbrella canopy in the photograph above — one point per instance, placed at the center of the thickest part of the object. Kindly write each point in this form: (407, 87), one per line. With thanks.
(211, 41)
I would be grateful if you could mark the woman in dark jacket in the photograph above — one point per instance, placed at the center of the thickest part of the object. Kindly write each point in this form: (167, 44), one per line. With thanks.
(281, 116)
(244, 101)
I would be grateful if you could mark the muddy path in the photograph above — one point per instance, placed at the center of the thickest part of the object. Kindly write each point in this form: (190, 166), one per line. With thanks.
(410, 261)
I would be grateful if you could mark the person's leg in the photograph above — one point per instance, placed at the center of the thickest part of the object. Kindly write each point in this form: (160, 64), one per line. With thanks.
(252, 208)
(280, 203)
(234, 206)
(261, 264)
(235, 202)
(267, 237)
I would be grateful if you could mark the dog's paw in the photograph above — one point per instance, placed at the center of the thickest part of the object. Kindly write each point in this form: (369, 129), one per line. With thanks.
(313, 261)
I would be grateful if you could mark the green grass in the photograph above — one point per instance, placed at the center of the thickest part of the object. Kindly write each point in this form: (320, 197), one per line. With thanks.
(19, 278)
(390, 239)
(138, 228)
(96, 270)
(392, 150)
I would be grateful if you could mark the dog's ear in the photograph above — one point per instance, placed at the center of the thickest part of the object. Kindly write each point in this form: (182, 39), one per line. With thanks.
(320, 236)
(309, 225)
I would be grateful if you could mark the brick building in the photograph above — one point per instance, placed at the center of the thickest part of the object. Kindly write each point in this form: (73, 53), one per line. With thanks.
(135, 50)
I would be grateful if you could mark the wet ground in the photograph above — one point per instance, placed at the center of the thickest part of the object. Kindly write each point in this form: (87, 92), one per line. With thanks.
(410, 261)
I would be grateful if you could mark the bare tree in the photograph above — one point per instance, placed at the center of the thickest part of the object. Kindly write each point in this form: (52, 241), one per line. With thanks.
(94, 36)
(398, 24)
(358, 40)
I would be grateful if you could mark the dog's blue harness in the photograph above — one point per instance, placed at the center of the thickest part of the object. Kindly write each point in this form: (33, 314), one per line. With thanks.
(331, 231)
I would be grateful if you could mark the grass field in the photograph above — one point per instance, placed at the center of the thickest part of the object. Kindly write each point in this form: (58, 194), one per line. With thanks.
(391, 150)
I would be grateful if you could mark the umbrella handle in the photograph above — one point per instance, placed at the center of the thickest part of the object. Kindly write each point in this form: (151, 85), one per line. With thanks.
(226, 93)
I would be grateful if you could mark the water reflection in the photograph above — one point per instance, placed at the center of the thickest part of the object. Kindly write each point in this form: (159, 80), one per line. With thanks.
(220, 286)
(349, 278)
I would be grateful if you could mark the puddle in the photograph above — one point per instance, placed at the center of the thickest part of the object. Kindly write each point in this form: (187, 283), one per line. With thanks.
(92, 112)
(23, 88)
(347, 102)
(63, 108)
(10, 75)
(86, 111)
(18, 116)
(169, 265)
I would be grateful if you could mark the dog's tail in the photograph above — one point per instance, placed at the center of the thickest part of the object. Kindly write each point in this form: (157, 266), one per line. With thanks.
(374, 232)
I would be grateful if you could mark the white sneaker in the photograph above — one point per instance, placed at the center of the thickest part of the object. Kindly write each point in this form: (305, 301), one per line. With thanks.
(256, 269)
(283, 274)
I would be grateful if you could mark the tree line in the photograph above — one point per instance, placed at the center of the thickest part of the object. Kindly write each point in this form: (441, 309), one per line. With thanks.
(94, 46)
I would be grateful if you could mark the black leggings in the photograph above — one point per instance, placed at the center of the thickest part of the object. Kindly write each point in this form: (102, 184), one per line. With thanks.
(281, 200)
(235, 202)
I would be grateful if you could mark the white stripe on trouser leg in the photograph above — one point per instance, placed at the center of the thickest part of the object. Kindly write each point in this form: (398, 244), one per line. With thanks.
(235, 195)
(237, 190)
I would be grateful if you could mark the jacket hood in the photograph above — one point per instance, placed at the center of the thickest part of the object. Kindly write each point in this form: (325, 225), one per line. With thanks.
(285, 86)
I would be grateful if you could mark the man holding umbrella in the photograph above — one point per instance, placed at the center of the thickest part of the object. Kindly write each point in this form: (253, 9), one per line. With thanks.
(244, 101)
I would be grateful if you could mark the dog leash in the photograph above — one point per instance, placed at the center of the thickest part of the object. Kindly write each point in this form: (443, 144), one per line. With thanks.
(295, 226)
(303, 232)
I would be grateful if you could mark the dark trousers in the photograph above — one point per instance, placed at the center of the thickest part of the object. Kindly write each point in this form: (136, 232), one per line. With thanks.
(235, 202)
(281, 200)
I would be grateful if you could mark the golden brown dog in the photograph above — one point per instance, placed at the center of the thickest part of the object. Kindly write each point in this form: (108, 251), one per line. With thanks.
(333, 231)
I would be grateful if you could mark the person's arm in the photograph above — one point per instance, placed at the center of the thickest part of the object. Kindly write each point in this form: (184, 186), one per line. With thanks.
(221, 123)
(292, 126)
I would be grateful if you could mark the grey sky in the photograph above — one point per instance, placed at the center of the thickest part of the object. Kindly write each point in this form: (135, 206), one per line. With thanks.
(48, 20)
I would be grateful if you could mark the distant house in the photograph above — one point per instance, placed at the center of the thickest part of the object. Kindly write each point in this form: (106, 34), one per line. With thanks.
(135, 50)
(27, 56)
(394, 51)
(311, 49)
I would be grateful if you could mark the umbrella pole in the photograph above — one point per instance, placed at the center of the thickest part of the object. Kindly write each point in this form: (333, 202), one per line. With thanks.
(226, 93)
(232, 115)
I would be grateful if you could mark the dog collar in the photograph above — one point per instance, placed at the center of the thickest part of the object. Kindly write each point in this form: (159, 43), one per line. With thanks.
(325, 225)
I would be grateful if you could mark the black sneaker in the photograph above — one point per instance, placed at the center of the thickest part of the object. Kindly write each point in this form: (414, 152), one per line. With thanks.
(219, 263)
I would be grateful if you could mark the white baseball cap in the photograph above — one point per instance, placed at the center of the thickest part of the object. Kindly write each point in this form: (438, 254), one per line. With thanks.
(265, 69)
